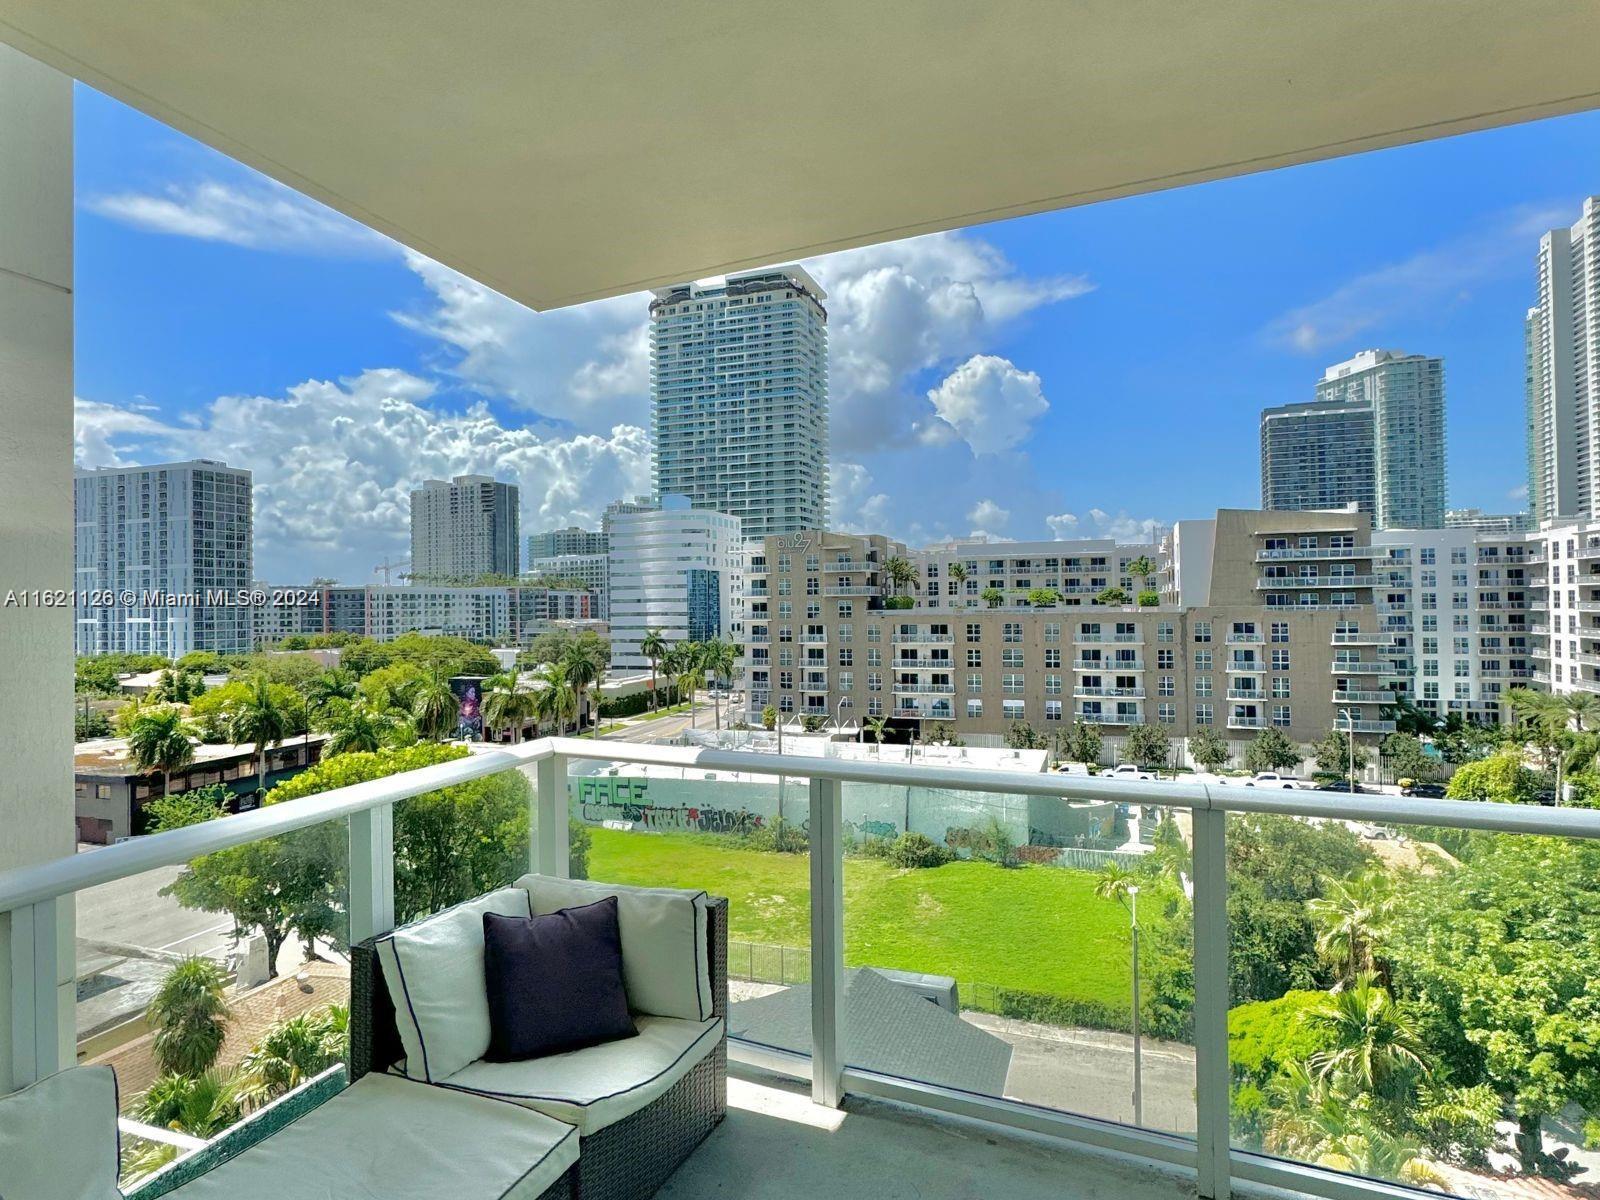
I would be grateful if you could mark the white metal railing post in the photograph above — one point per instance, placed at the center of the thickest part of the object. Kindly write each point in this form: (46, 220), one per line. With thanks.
(41, 1043)
(827, 942)
(371, 872)
(1211, 1002)
(550, 852)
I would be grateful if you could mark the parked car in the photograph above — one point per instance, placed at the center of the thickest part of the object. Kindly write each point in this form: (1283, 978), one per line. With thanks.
(1426, 791)
(1128, 771)
(1272, 779)
(1342, 785)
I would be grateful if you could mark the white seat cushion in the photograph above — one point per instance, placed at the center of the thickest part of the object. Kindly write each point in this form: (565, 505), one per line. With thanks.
(665, 967)
(387, 1138)
(598, 1086)
(58, 1138)
(434, 970)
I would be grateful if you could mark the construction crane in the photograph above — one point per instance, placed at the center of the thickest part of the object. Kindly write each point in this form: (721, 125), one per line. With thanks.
(384, 568)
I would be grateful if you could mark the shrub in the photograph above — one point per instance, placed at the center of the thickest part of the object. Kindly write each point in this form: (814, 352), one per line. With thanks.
(913, 850)
(780, 837)
(1500, 777)
(1267, 1035)
(992, 843)
(875, 847)
(579, 839)
(899, 602)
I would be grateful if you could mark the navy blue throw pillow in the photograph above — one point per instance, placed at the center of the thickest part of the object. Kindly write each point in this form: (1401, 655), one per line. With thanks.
(554, 982)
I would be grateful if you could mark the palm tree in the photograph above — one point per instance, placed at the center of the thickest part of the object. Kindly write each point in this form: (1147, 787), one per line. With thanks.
(719, 658)
(1547, 719)
(200, 1105)
(293, 1051)
(322, 690)
(690, 672)
(555, 699)
(958, 575)
(1374, 1049)
(158, 741)
(435, 708)
(1350, 919)
(583, 669)
(653, 646)
(358, 727)
(901, 574)
(259, 720)
(875, 726)
(1114, 883)
(190, 1015)
(1141, 569)
(507, 704)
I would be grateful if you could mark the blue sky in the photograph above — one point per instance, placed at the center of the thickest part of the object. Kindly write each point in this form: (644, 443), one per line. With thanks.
(1077, 373)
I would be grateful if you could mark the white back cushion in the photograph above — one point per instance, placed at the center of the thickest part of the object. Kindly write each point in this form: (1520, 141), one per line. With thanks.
(434, 970)
(58, 1138)
(665, 968)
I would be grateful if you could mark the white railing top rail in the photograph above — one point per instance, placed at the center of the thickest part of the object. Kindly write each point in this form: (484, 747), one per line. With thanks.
(59, 877)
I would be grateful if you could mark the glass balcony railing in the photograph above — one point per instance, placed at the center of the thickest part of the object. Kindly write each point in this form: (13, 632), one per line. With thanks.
(1333, 992)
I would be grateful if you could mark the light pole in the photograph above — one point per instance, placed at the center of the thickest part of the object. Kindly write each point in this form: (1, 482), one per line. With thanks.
(1138, 1089)
(1350, 723)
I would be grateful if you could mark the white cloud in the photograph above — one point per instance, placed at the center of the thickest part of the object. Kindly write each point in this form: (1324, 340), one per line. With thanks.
(898, 309)
(989, 403)
(103, 433)
(1424, 283)
(588, 366)
(855, 507)
(260, 214)
(1518, 493)
(334, 464)
(1097, 523)
(988, 516)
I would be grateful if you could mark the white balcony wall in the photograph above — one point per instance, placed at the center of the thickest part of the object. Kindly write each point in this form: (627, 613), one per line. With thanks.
(35, 483)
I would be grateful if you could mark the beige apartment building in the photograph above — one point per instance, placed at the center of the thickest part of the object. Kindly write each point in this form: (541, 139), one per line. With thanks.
(1266, 620)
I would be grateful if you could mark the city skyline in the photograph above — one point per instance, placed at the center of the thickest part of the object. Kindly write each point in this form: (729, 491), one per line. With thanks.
(984, 380)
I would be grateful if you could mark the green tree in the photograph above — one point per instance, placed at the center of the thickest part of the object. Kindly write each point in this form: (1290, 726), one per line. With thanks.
(555, 700)
(1113, 596)
(292, 1052)
(1149, 746)
(1497, 960)
(719, 658)
(190, 1015)
(261, 719)
(1271, 750)
(1338, 754)
(993, 597)
(1373, 1047)
(159, 741)
(1141, 569)
(1351, 918)
(1085, 743)
(584, 668)
(769, 717)
(322, 690)
(1500, 777)
(435, 711)
(874, 727)
(958, 576)
(902, 575)
(1208, 748)
(187, 808)
(1043, 597)
(653, 646)
(1407, 758)
(199, 1105)
(1022, 736)
(507, 703)
(358, 727)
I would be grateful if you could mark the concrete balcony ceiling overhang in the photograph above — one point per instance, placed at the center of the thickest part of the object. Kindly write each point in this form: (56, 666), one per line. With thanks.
(564, 152)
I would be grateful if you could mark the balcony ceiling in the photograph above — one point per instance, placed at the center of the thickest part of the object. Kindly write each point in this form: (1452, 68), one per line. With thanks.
(562, 152)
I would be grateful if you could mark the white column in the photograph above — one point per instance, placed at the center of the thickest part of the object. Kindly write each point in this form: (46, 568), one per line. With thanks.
(35, 497)
(550, 853)
(827, 942)
(1212, 1076)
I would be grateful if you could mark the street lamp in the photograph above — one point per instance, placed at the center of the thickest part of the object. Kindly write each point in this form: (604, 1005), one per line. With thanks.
(1138, 1089)
(1350, 723)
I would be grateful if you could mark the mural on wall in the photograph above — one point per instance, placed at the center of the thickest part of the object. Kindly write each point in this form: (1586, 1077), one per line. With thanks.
(712, 805)
(468, 692)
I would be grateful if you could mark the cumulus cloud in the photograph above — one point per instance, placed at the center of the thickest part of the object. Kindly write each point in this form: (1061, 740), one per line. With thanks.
(856, 504)
(989, 403)
(1424, 283)
(334, 464)
(587, 366)
(259, 213)
(1097, 523)
(1518, 493)
(987, 517)
(906, 307)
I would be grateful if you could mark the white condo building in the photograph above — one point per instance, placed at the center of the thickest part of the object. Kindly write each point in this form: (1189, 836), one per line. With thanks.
(1562, 335)
(674, 568)
(152, 541)
(1374, 437)
(464, 529)
(739, 387)
(589, 569)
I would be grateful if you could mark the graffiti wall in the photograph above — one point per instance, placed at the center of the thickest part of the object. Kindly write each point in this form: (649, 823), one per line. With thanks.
(726, 806)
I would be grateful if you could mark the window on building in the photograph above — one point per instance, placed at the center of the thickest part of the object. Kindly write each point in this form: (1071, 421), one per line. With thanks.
(1202, 631)
(1202, 714)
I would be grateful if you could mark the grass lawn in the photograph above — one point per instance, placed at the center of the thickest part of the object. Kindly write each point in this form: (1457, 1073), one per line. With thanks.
(1037, 929)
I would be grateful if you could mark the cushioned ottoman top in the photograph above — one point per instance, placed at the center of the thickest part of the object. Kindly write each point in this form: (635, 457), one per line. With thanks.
(386, 1138)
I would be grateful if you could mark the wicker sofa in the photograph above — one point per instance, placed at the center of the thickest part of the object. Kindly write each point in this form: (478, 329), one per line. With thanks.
(623, 1154)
